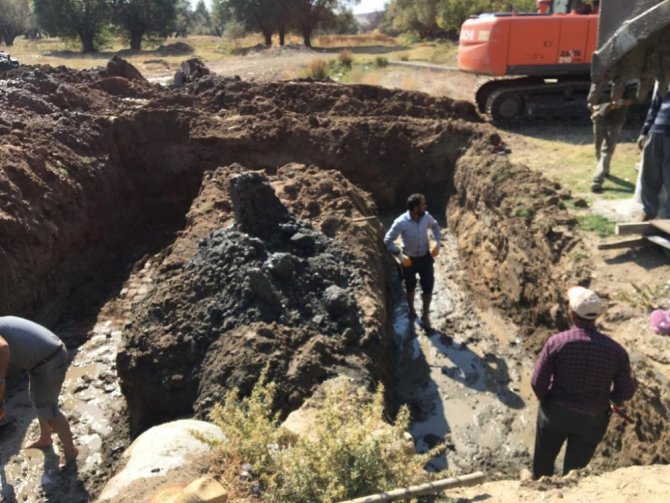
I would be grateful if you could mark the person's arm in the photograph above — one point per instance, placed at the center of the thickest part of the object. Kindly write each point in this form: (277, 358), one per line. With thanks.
(623, 384)
(391, 235)
(4, 358)
(4, 364)
(544, 369)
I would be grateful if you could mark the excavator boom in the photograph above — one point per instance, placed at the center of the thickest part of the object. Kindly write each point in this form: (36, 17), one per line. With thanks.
(633, 44)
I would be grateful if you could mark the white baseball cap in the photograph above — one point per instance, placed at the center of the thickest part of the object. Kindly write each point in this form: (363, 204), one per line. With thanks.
(585, 303)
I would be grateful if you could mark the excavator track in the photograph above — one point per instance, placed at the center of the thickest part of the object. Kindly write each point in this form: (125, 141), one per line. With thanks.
(517, 99)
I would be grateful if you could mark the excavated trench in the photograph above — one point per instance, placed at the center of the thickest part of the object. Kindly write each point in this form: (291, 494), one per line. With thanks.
(206, 232)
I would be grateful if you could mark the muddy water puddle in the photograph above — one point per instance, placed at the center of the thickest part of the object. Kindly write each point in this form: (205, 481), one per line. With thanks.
(91, 399)
(466, 381)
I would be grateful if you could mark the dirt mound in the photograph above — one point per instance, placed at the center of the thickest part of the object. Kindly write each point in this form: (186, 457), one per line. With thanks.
(271, 289)
(516, 238)
(176, 49)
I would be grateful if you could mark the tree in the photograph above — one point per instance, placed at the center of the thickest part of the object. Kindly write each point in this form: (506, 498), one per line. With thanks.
(83, 19)
(452, 13)
(201, 20)
(140, 18)
(308, 15)
(222, 14)
(14, 19)
(431, 18)
(184, 14)
(258, 15)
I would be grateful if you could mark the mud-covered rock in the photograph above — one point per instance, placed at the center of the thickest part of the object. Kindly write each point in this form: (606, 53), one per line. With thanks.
(119, 67)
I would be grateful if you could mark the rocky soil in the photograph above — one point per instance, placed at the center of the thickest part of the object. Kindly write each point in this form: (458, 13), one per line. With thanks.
(254, 212)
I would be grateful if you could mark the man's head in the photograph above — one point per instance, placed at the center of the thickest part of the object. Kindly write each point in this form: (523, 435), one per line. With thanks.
(584, 304)
(416, 205)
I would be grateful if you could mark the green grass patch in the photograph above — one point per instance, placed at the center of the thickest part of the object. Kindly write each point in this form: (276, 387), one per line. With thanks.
(596, 223)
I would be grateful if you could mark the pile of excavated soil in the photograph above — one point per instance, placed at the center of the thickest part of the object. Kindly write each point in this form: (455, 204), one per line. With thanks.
(265, 289)
(94, 162)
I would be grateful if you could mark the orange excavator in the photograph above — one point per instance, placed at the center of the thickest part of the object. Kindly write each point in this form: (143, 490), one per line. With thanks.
(539, 63)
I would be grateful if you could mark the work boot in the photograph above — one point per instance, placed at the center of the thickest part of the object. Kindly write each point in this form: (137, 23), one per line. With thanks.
(410, 303)
(596, 188)
(425, 312)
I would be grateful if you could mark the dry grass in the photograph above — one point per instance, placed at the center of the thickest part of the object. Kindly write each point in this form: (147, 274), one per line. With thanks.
(318, 69)
(56, 52)
(363, 40)
(345, 58)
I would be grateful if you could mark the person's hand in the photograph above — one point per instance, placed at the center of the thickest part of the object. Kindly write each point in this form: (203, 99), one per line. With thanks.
(435, 251)
(640, 141)
(405, 261)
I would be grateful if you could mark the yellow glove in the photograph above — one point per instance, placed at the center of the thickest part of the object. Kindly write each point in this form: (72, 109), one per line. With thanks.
(435, 251)
(405, 261)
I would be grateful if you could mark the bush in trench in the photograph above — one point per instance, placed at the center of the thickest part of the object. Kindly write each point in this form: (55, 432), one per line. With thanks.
(349, 453)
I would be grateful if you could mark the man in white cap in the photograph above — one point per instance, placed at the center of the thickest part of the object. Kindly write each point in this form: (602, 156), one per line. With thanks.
(579, 372)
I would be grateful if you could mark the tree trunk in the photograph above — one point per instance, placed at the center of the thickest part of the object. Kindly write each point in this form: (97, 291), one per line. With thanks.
(136, 40)
(9, 39)
(307, 37)
(87, 45)
(282, 36)
(268, 38)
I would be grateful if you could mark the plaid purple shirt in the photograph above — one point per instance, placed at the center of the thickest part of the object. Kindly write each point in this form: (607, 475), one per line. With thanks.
(583, 368)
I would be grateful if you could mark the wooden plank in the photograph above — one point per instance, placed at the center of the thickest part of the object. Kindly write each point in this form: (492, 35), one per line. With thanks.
(421, 490)
(643, 228)
(662, 225)
(625, 243)
(659, 240)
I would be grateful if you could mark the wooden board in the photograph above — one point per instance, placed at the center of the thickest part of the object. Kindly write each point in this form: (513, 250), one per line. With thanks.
(662, 225)
(643, 228)
(659, 240)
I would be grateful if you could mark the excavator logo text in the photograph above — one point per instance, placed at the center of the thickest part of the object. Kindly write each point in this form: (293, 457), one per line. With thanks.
(570, 56)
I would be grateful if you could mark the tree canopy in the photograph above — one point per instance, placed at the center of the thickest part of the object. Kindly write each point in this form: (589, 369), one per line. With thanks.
(432, 18)
(14, 19)
(83, 19)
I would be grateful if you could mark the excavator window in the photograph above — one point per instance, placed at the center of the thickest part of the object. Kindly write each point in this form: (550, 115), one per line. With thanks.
(561, 6)
(579, 6)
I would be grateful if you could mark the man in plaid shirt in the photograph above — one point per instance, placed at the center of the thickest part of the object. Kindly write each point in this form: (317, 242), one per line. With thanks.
(578, 373)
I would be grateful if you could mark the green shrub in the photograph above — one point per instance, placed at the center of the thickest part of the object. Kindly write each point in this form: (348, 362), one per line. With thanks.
(381, 62)
(345, 58)
(318, 69)
(350, 451)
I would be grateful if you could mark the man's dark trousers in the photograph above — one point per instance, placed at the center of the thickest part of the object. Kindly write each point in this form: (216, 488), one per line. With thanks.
(555, 425)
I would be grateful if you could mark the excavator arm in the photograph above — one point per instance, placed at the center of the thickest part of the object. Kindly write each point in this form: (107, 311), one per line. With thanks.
(633, 44)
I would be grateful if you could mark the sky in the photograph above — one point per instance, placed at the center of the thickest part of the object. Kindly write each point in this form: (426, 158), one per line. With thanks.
(369, 6)
(363, 7)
